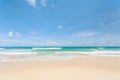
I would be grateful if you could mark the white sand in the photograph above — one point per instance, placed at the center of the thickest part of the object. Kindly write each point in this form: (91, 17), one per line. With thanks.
(83, 68)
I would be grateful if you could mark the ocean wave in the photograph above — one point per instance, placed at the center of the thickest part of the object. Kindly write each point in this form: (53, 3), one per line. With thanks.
(46, 48)
(17, 53)
(88, 53)
(57, 55)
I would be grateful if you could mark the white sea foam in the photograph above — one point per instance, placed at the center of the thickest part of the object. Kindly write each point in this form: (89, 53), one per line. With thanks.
(61, 52)
(106, 53)
(90, 53)
(17, 53)
(57, 55)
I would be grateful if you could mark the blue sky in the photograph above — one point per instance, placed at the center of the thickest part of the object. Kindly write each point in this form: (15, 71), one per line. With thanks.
(60, 22)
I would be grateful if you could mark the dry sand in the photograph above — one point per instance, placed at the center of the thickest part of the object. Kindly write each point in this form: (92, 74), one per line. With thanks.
(83, 68)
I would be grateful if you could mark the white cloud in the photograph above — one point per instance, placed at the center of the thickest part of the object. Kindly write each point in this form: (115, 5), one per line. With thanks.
(101, 40)
(13, 34)
(60, 27)
(86, 34)
(32, 2)
(10, 34)
(17, 34)
(97, 39)
(33, 33)
(43, 2)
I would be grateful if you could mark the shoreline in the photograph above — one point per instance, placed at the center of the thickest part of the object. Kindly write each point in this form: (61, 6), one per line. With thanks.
(50, 58)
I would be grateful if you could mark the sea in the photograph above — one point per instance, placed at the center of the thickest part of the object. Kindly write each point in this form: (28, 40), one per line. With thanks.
(32, 53)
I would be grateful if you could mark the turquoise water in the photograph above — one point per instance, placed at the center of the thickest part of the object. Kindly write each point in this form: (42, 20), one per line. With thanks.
(59, 48)
(54, 52)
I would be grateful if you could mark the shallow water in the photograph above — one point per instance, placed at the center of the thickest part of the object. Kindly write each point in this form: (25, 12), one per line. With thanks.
(54, 52)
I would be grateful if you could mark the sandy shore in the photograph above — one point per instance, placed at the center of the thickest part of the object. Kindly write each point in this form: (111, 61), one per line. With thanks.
(83, 68)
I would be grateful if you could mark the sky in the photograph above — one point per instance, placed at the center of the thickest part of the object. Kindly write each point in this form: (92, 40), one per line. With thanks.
(59, 22)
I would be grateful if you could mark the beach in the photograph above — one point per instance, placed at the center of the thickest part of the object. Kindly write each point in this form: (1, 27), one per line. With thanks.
(81, 68)
(59, 39)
